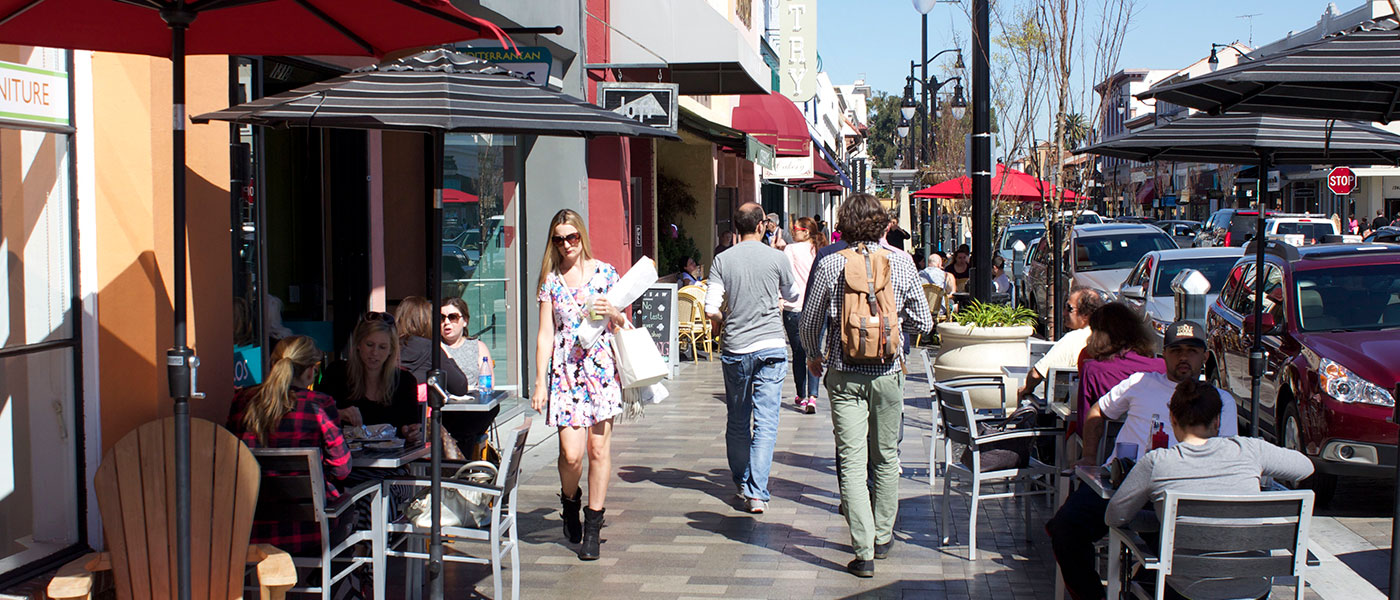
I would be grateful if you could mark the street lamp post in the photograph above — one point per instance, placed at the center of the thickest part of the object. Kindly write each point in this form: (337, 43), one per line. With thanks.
(928, 141)
(981, 152)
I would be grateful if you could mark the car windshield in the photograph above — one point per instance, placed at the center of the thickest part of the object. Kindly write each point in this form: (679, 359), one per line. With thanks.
(1087, 218)
(1216, 270)
(1311, 230)
(1117, 251)
(1024, 235)
(1349, 298)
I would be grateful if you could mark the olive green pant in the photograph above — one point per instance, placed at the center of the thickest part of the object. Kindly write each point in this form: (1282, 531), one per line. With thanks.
(866, 414)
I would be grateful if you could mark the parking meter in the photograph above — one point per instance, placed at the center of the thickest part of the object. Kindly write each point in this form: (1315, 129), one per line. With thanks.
(1018, 259)
(1190, 288)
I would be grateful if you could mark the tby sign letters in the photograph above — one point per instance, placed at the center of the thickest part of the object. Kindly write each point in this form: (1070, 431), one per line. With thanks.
(798, 19)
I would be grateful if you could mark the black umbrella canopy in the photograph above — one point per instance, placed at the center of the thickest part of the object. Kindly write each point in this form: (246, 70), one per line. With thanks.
(436, 90)
(1245, 139)
(1353, 75)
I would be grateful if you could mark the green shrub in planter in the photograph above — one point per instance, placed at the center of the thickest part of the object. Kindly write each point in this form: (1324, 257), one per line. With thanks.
(979, 314)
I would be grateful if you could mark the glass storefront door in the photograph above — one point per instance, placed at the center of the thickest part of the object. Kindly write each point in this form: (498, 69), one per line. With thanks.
(480, 245)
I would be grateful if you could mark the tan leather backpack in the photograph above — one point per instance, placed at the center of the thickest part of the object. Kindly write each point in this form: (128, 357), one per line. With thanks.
(869, 320)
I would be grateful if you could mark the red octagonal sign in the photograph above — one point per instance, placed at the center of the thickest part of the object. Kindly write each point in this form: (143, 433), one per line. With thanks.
(1341, 181)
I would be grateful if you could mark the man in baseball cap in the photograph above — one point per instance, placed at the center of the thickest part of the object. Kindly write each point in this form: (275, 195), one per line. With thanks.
(1141, 402)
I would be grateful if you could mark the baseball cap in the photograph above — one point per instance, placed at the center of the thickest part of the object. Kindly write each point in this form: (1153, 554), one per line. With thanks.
(1184, 332)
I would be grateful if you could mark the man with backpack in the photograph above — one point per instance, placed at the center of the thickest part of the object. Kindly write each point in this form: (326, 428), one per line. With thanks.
(748, 280)
(859, 301)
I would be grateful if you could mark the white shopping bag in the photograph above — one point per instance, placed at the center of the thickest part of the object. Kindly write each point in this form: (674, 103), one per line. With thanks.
(639, 362)
(626, 291)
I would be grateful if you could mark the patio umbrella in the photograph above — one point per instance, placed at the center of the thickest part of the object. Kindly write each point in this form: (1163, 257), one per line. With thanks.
(1265, 141)
(435, 92)
(1353, 75)
(175, 28)
(1007, 183)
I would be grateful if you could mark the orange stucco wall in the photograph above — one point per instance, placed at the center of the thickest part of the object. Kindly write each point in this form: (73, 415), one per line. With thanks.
(132, 130)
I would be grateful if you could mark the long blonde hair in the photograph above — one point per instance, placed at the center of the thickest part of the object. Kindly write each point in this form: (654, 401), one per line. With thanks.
(355, 368)
(273, 399)
(552, 258)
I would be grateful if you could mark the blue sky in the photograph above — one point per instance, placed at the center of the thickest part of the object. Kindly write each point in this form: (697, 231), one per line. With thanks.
(878, 38)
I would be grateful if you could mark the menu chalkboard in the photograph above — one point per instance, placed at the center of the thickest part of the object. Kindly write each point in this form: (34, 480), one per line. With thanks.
(656, 311)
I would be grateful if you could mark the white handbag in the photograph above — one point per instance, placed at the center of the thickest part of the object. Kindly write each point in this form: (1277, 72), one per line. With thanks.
(639, 362)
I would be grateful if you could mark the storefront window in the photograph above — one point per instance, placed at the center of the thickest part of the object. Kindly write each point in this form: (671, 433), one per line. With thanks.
(480, 249)
(40, 481)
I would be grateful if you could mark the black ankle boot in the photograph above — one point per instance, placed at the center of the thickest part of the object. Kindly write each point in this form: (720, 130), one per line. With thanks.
(573, 529)
(592, 525)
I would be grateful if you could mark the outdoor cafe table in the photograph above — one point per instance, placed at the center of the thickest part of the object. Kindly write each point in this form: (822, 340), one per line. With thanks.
(387, 459)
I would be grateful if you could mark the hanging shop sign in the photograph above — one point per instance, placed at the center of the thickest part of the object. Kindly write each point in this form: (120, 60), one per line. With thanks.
(798, 54)
(33, 96)
(758, 152)
(531, 63)
(1274, 181)
(790, 167)
(652, 104)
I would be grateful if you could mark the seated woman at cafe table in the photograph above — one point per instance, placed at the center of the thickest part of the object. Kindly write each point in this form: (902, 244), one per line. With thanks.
(1200, 462)
(369, 387)
(284, 413)
(415, 321)
(470, 354)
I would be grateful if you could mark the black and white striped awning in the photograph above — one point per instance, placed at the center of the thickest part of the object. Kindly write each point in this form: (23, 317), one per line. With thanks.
(1247, 139)
(1353, 75)
(437, 90)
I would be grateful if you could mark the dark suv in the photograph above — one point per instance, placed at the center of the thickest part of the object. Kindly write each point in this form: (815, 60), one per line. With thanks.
(1229, 227)
(1331, 320)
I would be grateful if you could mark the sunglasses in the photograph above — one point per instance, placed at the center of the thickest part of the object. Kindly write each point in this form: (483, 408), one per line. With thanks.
(453, 317)
(799, 229)
(387, 318)
(560, 240)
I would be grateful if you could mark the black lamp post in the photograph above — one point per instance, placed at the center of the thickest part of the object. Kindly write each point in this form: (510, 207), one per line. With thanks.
(927, 139)
(981, 152)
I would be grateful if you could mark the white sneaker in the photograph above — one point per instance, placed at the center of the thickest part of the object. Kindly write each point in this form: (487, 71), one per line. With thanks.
(757, 506)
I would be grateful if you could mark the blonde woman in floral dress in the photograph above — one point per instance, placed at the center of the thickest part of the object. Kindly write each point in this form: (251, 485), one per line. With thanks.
(577, 388)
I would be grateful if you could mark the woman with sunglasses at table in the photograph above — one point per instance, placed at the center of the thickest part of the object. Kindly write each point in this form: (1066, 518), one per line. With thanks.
(577, 388)
(283, 412)
(369, 387)
(469, 354)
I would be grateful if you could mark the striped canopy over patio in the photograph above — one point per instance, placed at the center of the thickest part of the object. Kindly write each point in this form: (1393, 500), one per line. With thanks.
(1353, 75)
(1248, 139)
(437, 90)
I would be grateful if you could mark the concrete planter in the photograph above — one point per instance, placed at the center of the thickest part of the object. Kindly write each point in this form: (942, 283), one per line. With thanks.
(968, 350)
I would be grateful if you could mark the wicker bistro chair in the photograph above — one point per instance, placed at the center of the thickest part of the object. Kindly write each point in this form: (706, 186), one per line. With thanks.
(961, 426)
(692, 326)
(500, 533)
(294, 489)
(135, 488)
(937, 299)
(1217, 540)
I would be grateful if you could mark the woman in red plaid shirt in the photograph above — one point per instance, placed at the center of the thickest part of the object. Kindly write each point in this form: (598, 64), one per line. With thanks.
(283, 413)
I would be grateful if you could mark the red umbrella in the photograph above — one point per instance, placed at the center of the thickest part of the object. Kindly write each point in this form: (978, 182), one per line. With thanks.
(265, 27)
(1007, 183)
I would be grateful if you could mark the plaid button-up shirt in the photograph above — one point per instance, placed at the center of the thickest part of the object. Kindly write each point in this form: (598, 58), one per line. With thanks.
(306, 426)
(821, 309)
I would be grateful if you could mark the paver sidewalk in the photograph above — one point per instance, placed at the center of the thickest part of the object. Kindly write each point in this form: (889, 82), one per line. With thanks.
(673, 530)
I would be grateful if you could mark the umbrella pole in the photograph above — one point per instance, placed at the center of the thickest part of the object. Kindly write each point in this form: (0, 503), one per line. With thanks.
(1256, 352)
(435, 400)
(180, 361)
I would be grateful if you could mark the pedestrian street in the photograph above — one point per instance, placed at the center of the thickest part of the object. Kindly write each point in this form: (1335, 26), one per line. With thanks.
(673, 529)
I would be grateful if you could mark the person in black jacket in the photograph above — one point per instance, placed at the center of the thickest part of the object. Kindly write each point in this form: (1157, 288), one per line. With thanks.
(369, 387)
(414, 315)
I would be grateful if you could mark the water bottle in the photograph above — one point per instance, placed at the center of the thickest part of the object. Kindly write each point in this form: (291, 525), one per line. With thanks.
(483, 379)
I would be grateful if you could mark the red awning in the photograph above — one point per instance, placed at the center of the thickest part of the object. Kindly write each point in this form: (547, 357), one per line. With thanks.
(1147, 192)
(451, 195)
(1007, 183)
(828, 187)
(775, 121)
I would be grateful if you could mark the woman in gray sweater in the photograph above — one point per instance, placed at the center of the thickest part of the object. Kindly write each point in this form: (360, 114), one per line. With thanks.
(1200, 462)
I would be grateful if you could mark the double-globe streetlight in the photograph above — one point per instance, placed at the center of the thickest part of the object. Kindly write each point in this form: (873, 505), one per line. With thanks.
(928, 143)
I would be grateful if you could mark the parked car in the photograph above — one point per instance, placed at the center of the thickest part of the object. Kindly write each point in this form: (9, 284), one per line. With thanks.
(1331, 331)
(1084, 217)
(1022, 281)
(1184, 232)
(1132, 219)
(1022, 232)
(1229, 227)
(1302, 230)
(1103, 255)
(1384, 235)
(1149, 286)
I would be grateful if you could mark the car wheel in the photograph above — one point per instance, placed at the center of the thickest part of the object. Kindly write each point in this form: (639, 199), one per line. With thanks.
(1213, 373)
(1323, 485)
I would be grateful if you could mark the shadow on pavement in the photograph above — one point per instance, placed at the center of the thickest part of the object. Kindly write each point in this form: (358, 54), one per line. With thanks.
(785, 538)
(1373, 565)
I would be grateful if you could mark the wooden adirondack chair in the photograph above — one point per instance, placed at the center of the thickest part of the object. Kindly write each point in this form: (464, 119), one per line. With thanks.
(135, 488)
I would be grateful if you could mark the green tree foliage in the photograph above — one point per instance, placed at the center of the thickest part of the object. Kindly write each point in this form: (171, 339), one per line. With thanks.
(1075, 129)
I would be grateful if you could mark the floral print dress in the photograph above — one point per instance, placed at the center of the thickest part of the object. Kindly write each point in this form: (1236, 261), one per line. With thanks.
(583, 384)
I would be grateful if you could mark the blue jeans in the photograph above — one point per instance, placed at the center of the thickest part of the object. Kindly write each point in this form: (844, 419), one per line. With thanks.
(807, 383)
(753, 386)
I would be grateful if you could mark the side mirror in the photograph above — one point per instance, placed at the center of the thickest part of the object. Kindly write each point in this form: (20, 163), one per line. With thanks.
(1266, 321)
(1133, 291)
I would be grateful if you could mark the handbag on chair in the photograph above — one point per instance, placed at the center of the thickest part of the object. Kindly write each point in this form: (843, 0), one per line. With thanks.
(459, 508)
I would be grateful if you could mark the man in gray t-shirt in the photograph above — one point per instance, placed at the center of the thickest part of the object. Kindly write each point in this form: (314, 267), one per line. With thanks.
(751, 277)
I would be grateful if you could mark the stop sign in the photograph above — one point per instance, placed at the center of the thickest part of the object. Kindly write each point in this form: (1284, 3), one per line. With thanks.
(1341, 181)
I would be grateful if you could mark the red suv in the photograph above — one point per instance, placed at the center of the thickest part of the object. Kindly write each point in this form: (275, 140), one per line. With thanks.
(1332, 334)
